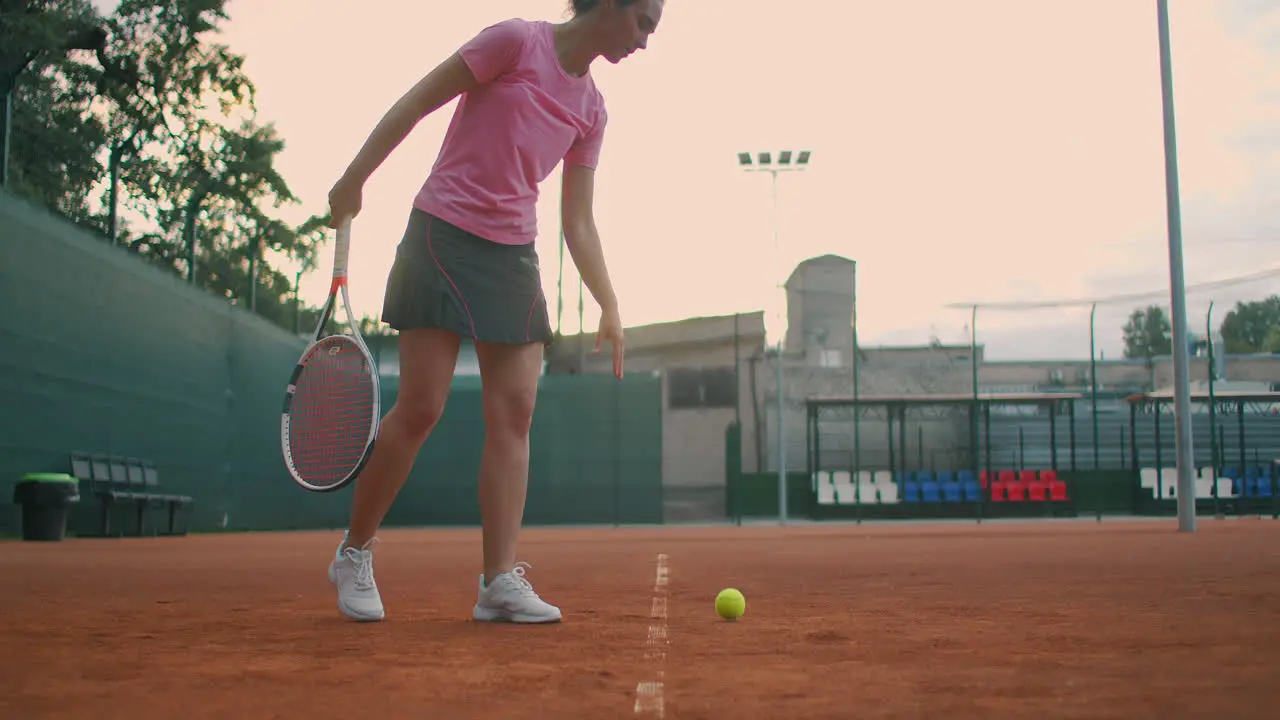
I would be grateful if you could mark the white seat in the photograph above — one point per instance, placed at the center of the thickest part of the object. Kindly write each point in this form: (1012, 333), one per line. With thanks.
(1169, 483)
(844, 494)
(826, 494)
(1225, 489)
(888, 489)
(868, 493)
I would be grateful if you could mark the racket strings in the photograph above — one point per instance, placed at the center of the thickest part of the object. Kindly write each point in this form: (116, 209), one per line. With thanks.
(331, 414)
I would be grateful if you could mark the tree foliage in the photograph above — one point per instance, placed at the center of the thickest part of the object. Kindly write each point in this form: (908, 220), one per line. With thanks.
(1252, 327)
(159, 124)
(1148, 333)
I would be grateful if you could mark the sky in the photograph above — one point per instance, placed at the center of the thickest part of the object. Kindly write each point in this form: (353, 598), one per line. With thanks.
(988, 151)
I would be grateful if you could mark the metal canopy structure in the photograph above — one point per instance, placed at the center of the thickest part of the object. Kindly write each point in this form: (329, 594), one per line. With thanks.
(893, 409)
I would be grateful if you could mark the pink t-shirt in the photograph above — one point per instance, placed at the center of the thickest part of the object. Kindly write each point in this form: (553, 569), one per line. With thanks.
(508, 134)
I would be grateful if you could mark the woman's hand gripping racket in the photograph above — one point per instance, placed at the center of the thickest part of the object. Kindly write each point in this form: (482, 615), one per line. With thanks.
(331, 405)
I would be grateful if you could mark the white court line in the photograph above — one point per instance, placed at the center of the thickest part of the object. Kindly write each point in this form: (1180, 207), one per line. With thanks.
(649, 692)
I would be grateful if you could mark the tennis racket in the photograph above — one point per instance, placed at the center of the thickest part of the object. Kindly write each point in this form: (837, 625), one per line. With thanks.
(331, 404)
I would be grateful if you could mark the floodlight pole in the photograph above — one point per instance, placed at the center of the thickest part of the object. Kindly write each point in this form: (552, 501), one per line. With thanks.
(765, 163)
(1182, 380)
(1213, 405)
(1093, 384)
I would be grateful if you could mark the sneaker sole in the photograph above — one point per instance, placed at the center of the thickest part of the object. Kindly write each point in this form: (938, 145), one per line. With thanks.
(482, 615)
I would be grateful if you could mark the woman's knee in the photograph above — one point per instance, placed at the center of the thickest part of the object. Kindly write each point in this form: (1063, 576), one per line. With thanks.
(427, 360)
(420, 412)
(509, 413)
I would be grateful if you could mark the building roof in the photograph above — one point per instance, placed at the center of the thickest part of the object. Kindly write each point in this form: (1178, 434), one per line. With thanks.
(715, 328)
(941, 399)
(819, 261)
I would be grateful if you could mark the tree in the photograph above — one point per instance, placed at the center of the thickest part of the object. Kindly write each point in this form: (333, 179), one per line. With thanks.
(52, 142)
(1272, 343)
(1148, 334)
(1246, 329)
(161, 121)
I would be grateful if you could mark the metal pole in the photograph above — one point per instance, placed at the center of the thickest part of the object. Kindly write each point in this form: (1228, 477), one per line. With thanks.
(973, 349)
(973, 361)
(782, 450)
(6, 125)
(1093, 382)
(857, 408)
(582, 331)
(560, 276)
(1213, 405)
(1178, 291)
(737, 373)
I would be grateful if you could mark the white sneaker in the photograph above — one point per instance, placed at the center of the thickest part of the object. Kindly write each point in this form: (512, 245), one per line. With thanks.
(510, 598)
(352, 573)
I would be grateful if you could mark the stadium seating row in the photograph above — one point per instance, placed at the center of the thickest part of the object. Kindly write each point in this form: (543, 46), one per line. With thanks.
(1259, 481)
(840, 487)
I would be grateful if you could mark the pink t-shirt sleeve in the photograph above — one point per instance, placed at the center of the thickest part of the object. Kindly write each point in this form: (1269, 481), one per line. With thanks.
(495, 49)
(585, 150)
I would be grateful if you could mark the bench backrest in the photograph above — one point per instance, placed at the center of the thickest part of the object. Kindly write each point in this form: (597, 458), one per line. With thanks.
(119, 473)
(150, 476)
(81, 467)
(100, 469)
(134, 468)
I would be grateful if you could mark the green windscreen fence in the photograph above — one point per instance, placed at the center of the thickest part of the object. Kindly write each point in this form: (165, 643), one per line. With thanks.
(101, 353)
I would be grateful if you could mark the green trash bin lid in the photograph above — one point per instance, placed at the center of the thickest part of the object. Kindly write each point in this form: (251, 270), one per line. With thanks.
(43, 487)
(48, 478)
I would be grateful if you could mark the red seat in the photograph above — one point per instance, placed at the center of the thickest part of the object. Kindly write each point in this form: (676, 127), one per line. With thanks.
(1057, 491)
(983, 479)
(997, 491)
(1016, 491)
(1037, 490)
(1026, 477)
(1049, 476)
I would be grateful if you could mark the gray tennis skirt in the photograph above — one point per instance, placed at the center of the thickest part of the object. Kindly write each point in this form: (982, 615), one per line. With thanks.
(445, 277)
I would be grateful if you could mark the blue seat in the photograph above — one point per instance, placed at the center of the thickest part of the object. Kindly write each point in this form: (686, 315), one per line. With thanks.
(924, 476)
(929, 492)
(972, 491)
(910, 491)
(946, 476)
(1250, 482)
(950, 492)
(1261, 482)
(965, 476)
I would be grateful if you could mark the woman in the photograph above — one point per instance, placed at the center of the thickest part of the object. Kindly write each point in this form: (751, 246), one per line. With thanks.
(466, 266)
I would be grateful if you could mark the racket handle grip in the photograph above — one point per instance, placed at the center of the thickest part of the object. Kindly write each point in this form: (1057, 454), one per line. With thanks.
(341, 248)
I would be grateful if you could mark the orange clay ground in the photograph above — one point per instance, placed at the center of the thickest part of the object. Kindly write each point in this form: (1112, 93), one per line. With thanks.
(1028, 620)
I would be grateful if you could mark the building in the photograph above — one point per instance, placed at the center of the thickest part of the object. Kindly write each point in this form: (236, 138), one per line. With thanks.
(706, 365)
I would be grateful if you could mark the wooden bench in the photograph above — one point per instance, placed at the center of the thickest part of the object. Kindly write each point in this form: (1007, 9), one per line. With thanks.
(117, 481)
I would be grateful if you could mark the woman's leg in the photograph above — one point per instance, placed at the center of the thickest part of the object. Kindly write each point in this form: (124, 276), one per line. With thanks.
(509, 374)
(427, 361)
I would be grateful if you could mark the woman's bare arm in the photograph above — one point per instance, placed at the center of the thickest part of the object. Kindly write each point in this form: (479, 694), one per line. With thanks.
(447, 81)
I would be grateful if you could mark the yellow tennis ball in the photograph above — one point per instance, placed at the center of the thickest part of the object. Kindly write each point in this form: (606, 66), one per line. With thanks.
(730, 604)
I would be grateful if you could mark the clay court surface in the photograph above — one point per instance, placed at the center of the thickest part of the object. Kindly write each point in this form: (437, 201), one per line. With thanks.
(1028, 620)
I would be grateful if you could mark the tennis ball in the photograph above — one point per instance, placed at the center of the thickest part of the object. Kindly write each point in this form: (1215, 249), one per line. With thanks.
(730, 604)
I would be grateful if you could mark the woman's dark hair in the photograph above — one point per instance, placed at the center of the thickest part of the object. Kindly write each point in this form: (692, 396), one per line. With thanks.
(580, 7)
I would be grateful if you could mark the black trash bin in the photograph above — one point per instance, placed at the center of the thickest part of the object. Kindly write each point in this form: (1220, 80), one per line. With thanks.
(45, 499)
